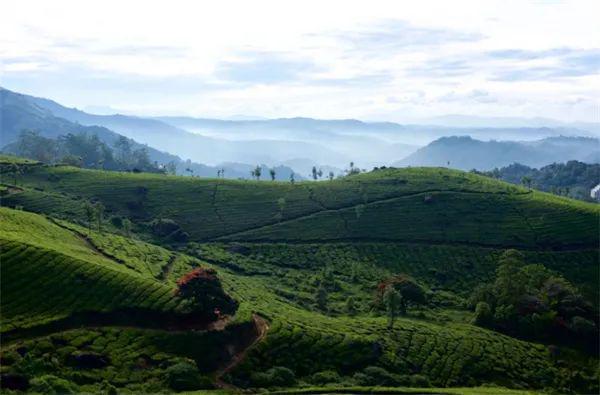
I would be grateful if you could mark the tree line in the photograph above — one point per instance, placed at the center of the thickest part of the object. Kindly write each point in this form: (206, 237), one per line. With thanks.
(84, 150)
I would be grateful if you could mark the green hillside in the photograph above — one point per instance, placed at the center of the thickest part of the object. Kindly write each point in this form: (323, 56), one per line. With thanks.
(69, 291)
(423, 205)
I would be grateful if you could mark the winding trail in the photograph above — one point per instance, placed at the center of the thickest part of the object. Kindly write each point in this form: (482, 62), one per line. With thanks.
(261, 326)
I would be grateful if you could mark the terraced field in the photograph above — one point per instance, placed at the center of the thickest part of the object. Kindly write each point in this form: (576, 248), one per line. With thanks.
(419, 205)
(443, 227)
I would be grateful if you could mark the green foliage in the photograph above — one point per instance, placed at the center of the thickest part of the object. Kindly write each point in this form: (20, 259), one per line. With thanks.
(49, 384)
(573, 179)
(533, 302)
(392, 300)
(183, 376)
(277, 376)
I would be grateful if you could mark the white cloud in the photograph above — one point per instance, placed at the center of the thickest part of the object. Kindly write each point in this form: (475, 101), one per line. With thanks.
(378, 59)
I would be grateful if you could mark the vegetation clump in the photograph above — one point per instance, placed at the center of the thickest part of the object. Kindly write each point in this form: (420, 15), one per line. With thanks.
(530, 301)
(203, 291)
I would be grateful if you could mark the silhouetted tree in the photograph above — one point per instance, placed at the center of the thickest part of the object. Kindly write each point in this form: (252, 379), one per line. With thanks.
(314, 173)
(127, 226)
(331, 175)
(292, 179)
(321, 297)
(393, 302)
(526, 181)
(90, 213)
(351, 305)
(257, 172)
(99, 212)
(272, 174)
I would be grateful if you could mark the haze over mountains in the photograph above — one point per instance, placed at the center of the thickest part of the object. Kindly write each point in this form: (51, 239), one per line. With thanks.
(297, 144)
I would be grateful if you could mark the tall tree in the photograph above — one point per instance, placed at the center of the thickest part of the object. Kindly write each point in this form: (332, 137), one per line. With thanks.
(321, 297)
(272, 174)
(257, 172)
(90, 213)
(99, 211)
(393, 301)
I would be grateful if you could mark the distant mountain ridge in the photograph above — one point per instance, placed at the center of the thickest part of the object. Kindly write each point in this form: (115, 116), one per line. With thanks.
(19, 112)
(466, 153)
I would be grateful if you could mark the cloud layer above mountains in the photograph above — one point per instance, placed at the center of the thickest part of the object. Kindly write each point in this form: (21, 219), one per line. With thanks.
(378, 60)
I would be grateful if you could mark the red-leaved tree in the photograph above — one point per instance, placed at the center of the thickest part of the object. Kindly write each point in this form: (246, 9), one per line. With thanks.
(202, 289)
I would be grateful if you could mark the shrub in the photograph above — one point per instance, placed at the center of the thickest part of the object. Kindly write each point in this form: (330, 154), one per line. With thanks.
(325, 377)
(277, 376)
(116, 221)
(164, 226)
(417, 380)
(483, 314)
(380, 376)
(50, 384)
(183, 376)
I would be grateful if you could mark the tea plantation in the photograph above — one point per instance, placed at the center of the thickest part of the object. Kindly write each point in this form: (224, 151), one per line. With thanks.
(90, 306)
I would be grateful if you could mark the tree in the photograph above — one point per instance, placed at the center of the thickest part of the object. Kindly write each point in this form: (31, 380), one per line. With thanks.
(31, 145)
(272, 174)
(320, 173)
(292, 180)
(331, 175)
(321, 297)
(90, 213)
(202, 290)
(127, 226)
(392, 300)
(123, 147)
(526, 180)
(99, 212)
(16, 171)
(314, 173)
(281, 205)
(257, 172)
(483, 315)
(412, 293)
(171, 168)
(351, 305)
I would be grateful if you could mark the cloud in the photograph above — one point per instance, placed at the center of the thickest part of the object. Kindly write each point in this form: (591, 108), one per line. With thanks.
(264, 68)
(442, 68)
(476, 95)
(565, 63)
(393, 35)
(376, 79)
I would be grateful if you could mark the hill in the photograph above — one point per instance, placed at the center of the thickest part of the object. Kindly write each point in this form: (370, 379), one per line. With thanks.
(443, 227)
(295, 334)
(466, 153)
(22, 112)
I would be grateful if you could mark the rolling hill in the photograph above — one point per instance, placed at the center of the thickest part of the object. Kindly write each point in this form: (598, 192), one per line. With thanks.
(273, 244)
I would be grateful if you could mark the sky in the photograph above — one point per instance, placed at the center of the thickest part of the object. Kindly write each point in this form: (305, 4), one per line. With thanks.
(371, 60)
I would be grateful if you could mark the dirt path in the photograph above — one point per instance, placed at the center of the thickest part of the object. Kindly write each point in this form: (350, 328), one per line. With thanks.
(262, 326)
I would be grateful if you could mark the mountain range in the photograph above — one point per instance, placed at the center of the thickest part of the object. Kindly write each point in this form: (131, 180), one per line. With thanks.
(205, 145)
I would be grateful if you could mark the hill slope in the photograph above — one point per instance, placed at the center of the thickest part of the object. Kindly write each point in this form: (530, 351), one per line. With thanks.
(421, 205)
(304, 341)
